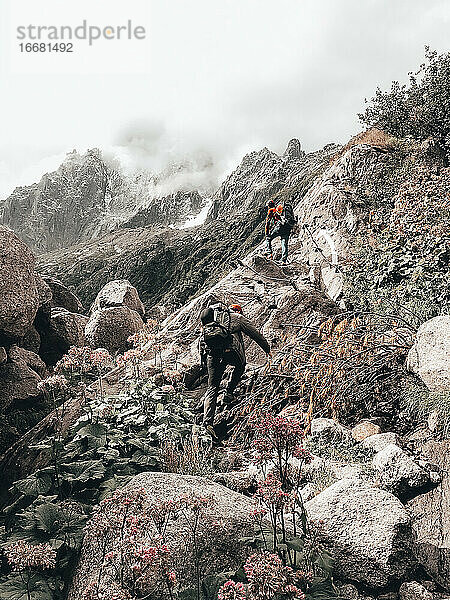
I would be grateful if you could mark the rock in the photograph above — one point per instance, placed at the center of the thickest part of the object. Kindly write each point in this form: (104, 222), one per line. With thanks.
(110, 328)
(244, 482)
(398, 472)
(31, 340)
(226, 519)
(19, 297)
(363, 430)
(414, 591)
(430, 356)
(348, 591)
(379, 441)
(368, 529)
(3, 355)
(64, 329)
(327, 430)
(308, 492)
(118, 293)
(31, 359)
(62, 297)
(19, 392)
(44, 291)
(431, 518)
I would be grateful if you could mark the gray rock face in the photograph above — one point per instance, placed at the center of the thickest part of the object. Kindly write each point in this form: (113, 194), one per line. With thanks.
(363, 430)
(64, 329)
(119, 292)
(414, 591)
(110, 328)
(19, 298)
(431, 518)
(62, 297)
(327, 430)
(379, 441)
(19, 377)
(398, 471)
(222, 550)
(430, 356)
(369, 530)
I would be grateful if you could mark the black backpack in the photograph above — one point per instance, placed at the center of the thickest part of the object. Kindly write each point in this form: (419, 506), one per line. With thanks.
(216, 333)
(288, 216)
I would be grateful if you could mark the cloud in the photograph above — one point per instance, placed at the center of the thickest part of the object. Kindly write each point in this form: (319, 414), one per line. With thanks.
(222, 78)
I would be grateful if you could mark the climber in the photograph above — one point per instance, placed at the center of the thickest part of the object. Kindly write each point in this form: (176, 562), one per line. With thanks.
(222, 338)
(280, 221)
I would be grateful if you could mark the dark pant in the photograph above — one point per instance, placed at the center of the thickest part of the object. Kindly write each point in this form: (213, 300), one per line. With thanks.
(284, 243)
(216, 365)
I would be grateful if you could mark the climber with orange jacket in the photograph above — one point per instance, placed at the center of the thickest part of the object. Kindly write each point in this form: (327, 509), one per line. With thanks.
(280, 221)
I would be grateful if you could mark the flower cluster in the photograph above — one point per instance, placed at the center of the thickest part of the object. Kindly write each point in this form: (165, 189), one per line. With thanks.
(83, 360)
(131, 357)
(276, 434)
(271, 494)
(268, 578)
(56, 384)
(231, 590)
(24, 556)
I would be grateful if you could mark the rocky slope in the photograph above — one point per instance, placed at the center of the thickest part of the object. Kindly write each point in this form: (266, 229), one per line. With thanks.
(169, 266)
(379, 494)
(87, 197)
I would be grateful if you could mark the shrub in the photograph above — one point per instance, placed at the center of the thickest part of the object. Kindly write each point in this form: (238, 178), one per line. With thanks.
(420, 108)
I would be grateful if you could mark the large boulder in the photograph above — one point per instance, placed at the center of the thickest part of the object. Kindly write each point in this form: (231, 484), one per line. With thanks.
(19, 392)
(19, 297)
(110, 328)
(222, 522)
(369, 531)
(365, 429)
(430, 356)
(431, 518)
(62, 297)
(412, 590)
(327, 430)
(64, 329)
(379, 441)
(119, 292)
(398, 471)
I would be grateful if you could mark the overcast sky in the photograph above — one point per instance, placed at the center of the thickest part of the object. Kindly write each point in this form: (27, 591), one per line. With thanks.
(219, 77)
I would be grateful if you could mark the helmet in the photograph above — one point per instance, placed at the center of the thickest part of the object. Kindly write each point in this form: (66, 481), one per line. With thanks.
(237, 308)
(271, 204)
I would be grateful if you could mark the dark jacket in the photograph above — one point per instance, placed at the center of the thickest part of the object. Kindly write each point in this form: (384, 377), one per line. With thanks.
(241, 325)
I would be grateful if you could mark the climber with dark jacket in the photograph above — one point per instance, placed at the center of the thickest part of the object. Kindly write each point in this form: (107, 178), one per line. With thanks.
(223, 343)
(280, 221)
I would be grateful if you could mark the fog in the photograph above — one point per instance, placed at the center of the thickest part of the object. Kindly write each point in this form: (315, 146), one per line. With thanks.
(213, 80)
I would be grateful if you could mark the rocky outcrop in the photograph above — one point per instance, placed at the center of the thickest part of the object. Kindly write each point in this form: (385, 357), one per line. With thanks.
(19, 392)
(224, 520)
(430, 356)
(364, 430)
(118, 293)
(431, 518)
(19, 297)
(62, 297)
(110, 328)
(398, 471)
(63, 330)
(379, 441)
(413, 590)
(327, 430)
(369, 531)
(171, 266)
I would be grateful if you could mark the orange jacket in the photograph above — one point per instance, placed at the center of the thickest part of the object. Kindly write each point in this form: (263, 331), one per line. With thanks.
(273, 217)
